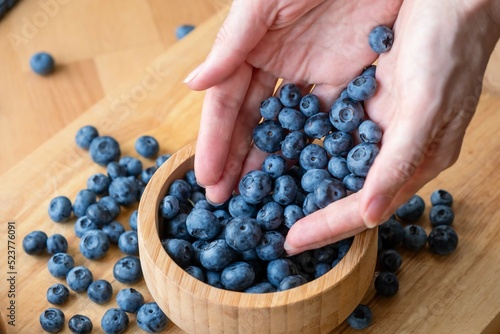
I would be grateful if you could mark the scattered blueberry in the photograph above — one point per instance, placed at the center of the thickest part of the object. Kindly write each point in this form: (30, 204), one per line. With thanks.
(202, 224)
(85, 135)
(151, 318)
(161, 159)
(441, 197)
(83, 199)
(56, 243)
(292, 214)
(100, 291)
(369, 70)
(313, 156)
(60, 209)
(147, 174)
(370, 132)
(353, 182)
(238, 207)
(60, 264)
(94, 244)
(52, 320)
(391, 232)
(42, 63)
(271, 246)
(441, 215)
(414, 237)
(104, 149)
(79, 279)
(180, 189)
(182, 30)
(217, 255)
(114, 321)
(129, 300)
(34, 243)
(290, 95)
(274, 165)
(127, 270)
(386, 284)
(285, 190)
(337, 166)
(98, 183)
(57, 294)
(128, 243)
(381, 39)
(80, 324)
(133, 166)
(147, 146)
(84, 224)
(318, 126)
(291, 119)
(411, 210)
(132, 221)
(124, 190)
(390, 260)
(243, 233)
(237, 276)
(329, 191)
(360, 318)
(213, 279)
(270, 216)
(442, 240)
(346, 114)
(338, 143)
(362, 88)
(112, 205)
(278, 269)
(309, 105)
(113, 231)
(361, 157)
(181, 251)
(270, 108)
(196, 272)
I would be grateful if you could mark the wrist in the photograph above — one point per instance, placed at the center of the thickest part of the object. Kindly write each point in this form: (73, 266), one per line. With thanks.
(487, 15)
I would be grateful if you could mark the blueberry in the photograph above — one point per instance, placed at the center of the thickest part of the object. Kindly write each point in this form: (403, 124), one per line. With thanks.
(391, 232)
(370, 132)
(280, 268)
(271, 246)
(85, 135)
(268, 136)
(309, 105)
(329, 191)
(129, 300)
(270, 216)
(114, 170)
(104, 149)
(113, 231)
(291, 119)
(202, 224)
(318, 126)
(84, 224)
(94, 244)
(114, 321)
(80, 324)
(133, 166)
(291, 282)
(100, 291)
(369, 70)
(243, 233)
(237, 276)
(326, 253)
(309, 206)
(441, 197)
(217, 255)
(112, 205)
(52, 320)
(182, 30)
(292, 214)
(200, 201)
(254, 186)
(290, 95)
(360, 158)
(312, 178)
(83, 199)
(285, 190)
(390, 260)
(161, 159)
(353, 182)
(321, 269)
(124, 190)
(196, 272)
(238, 207)
(57, 294)
(60, 209)
(274, 165)
(181, 251)
(338, 143)
(386, 284)
(293, 144)
(180, 189)
(213, 279)
(313, 156)
(381, 39)
(60, 264)
(306, 262)
(176, 227)
(442, 240)
(360, 318)
(270, 108)
(151, 318)
(98, 183)
(35, 242)
(147, 146)
(414, 237)
(346, 114)
(79, 279)
(411, 210)
(343, 247)
(262, 287)
(362, 88)
(337, 166)
(190, 178)
(147, 174)
(127, 270)
(42, 63)
(128, 243)
(132, 221)
(56, 243)
(99, 214)
(441, 215)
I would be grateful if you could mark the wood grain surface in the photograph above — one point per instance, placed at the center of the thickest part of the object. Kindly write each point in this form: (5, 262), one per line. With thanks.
(120, 69)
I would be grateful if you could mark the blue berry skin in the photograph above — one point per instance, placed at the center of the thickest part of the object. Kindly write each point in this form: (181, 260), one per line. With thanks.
(270, 216)
(274, 165)
(337, 166)
(361, 157)
(338, 143)
(190, 178)
(313, 156)
(285, 190)
(309, 206)
(60, 209)
(262, 287)
(161, 159)
(129, 300)
(293, 144)
(291, 119)
(128, 243)
(147, 146)
(79, 278)
(238, 207)
(124, 190)
(271, 246)
(180, 189)
(441, 197)
(56, 243)
(326, 253)
(133, 166)
(182, 30)
(346, 114)
(104, 149)
(411, 210)
(369, 70)
(147, 174)
(217, 255)
(312, 178)
(98, 183)
(176, 227)
(60, 264)
(200, 201)
(180, 250)
(386, 284)
(306, 262)
(83, 199)
(42, 63)
(113, 231)
(94, 244)
(362, 88)
(280, 268)
(270, 108)
(321, 269)
(57, 294)
(414, 237)
(442, 240)
(132, 220)
(254, 186)
(151, 318)
(329, 191)
(196, 272)
(169, 207)
(243, 233)
(202, 224)
(390, 260)
(80, 324)
(391, 233)
(34, 243)
(237, 276)
(84, 224)
(114, 170)
(99, 214)
(100, 291)
(52, 320)
(291, 282)
(114, 321)
(441, 215)
(360, 318)
(127, 270)
(381, 39)
(292, 214)
(290, 95)
(112, 205)
(85, 135)
(353, 182)
(268, 135)
(343, 247)
(318, 126)
(213, 279)
(370, 132)
(309, 105)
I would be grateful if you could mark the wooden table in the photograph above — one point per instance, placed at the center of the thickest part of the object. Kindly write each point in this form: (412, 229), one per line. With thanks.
(120, 69)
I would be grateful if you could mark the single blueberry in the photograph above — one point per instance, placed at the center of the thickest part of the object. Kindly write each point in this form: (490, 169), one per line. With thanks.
(42, 63)
(169, 207)
(124, 190)
(337, 166)
(196, 272)
(56, 243)
(270, 216)
(79, 278)
(80, 324)
(182, 30)
(237, 276)
(268, 135)
(309, 206)
(386, 284)
(346, 114)
(309, 105)
(181, 251)
(270, 108)
(360, 318)
(190, 177)
(285, 190)
(291, 282)
(94, 244)
(312, 178)
(52, 320)
(391, 232)
(370, 132)
(343, 247)
(180, 189)
(114, 170)
(85, 135)
(362, 88)
(338, 143)
(291, 119)
(271, 246)
(411, 210)
(313, 156)
(441, 215)
(113, 231)
(414, 237)
(321, 269)
(60, 264)
(84, 224)
(114, 321)
(390, 260)
(147, 146)
(290, 95)
(60, 209)
(238, 207)
(329, 191)
(98, 183)
(293, 144)
(274, 165)
(132, 220)
(151, 318)
(127, 270)
(280, 268)
(217, 255)
(213, 279)
(57, 294)
(262, 287)
(292, 214)
(147, 174)
(243, 233)
(104, 149)
(442, 240)
(83, 199)
(34, 243)
(128, 243)
(112, 205)
(381, 39)
(202, 224)
(353, 182)
(360, 158)
(161, 159)
(441, 197)
(369, 70)
(99, 214)
(254, 186)
(133, 166)
(100, 291)
(176, 228)
(129, 300)
(318, 126)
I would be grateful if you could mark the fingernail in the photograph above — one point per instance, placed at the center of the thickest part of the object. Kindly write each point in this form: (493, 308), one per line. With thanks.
(376, 210)
(193, 74)
(289, 249)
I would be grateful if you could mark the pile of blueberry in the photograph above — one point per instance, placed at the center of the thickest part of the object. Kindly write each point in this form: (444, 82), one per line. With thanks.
(96, 209)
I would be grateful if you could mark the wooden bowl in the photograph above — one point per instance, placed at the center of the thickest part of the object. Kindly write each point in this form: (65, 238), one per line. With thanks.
(316, 307)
